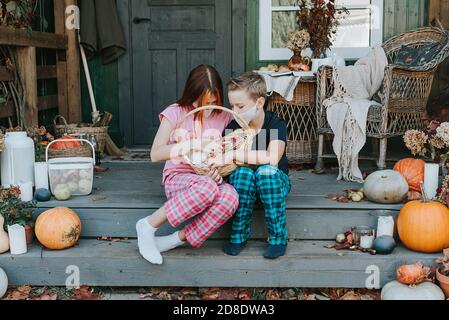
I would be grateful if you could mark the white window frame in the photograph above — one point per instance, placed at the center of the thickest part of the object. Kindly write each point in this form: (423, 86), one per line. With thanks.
(267, 52)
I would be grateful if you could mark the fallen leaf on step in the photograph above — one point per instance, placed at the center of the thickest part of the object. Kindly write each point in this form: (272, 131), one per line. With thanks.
(86, 293)
(189, 292)
(351, 295)
(99, 198)
(228, 294)
(21, 293)
(273, 294)
(99, 169)
(210, 294)
(245, 295)
(331, 246)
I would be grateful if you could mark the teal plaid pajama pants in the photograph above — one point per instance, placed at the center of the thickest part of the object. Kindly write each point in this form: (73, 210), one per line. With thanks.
(272, 186)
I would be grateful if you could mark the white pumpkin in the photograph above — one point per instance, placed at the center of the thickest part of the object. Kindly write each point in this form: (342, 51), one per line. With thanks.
(386, 186)
(3, 283)
(85, 186)
(424, 291)
(62, 192)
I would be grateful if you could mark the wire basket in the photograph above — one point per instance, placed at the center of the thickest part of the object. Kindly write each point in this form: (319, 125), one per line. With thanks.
(238, 140)
(100, 133)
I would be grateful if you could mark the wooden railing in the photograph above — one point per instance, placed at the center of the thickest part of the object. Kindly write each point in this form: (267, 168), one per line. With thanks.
(66, 70)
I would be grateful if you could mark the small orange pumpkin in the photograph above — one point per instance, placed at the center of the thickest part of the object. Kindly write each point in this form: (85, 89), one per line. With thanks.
(411, 274)
(62, 144)
(423, 226)
(413, 172)
(58, 228)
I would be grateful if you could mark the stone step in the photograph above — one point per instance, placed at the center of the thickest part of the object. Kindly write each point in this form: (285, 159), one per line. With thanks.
(302, 224)
(118, 264)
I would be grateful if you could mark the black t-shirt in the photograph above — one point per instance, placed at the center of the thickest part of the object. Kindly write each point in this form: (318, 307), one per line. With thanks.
(274, 128)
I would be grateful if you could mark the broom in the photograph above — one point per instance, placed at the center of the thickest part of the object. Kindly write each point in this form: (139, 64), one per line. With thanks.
(111, 147)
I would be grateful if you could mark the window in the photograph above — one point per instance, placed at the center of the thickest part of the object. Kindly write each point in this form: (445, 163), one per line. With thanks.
(359, 31)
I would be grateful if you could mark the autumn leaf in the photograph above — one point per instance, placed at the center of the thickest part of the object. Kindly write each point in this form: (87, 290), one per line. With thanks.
(273, 294)
(21, 293)
(85, 293)
(245, 295)
(210, 294)
(351, 295)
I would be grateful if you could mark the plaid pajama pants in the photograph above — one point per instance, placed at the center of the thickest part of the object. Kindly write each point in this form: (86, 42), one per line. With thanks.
(272, 186)
(199, 197)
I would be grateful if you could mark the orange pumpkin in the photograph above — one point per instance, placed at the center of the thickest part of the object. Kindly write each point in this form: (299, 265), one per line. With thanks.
(58, 228)
(424, 226)
(413, 172)
(63, 145)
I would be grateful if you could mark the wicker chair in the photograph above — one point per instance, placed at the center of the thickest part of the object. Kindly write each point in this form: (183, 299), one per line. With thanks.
(406, 94)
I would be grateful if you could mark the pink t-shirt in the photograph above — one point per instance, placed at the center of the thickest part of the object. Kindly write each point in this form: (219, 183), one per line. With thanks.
(212, 128)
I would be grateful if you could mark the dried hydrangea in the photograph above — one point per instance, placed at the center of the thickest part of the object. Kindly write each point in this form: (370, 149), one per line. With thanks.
(437, 143)
(443, 133)
(298, 40)
(416, 141)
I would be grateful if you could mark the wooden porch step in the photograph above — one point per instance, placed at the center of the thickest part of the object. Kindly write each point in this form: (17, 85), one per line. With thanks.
(303, 224)
(307, 264)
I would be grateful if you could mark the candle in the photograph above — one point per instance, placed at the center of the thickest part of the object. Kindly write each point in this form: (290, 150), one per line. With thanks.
(41, 175)
(26, 191)
(366, 241)
(385, 226)
(431, 176)
(17, 239)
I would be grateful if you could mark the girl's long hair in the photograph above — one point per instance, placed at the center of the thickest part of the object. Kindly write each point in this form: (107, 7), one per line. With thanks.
(203, 82)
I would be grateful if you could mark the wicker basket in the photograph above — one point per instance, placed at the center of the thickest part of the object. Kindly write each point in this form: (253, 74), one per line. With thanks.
(300, 115)
(84, 151)
(100, 133)
(238, 140)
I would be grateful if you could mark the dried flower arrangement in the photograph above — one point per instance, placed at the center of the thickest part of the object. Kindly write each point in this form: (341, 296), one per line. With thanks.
(435, 140)
(320, 19)
(41, 139)
(298, 40)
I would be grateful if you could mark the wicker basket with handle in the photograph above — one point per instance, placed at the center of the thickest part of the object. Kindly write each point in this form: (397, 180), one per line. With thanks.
(238, 140)
(100, 133)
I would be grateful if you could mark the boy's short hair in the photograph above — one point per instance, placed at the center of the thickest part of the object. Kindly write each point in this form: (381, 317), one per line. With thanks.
(251, 82)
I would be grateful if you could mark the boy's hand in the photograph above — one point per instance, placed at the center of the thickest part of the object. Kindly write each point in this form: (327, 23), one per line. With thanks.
(213, 173)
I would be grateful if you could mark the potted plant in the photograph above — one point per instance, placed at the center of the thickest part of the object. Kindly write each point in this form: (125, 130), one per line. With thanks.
(15, 211)
(443, 272)
(320, 19)
(41, 138)
(297, 41)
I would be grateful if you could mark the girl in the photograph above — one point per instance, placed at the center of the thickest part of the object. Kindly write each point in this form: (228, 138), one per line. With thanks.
(205, 198)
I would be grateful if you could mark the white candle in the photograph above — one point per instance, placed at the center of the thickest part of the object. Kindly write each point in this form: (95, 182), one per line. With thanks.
(41, 175)
(431, 176)
(26, 191)
(17, 239)
(366, 242)
(385, 226)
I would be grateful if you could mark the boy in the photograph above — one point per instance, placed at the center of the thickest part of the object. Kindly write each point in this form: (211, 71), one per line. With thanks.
(263, 171)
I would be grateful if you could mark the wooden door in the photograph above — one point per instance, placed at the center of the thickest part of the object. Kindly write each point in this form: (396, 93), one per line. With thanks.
(169, 39)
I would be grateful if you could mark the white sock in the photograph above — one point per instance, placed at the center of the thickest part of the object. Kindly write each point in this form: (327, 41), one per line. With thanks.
(168, 243)
(146, 242)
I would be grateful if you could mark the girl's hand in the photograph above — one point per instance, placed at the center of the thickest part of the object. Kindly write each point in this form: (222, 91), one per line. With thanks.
(213, 173)
(221, 160)
(207, 145)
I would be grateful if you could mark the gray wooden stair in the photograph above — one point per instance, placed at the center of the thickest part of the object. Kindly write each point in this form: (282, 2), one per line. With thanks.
(130, 192)
(307, 264)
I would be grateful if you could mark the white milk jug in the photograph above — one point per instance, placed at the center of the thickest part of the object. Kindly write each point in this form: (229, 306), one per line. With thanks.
(17, 160)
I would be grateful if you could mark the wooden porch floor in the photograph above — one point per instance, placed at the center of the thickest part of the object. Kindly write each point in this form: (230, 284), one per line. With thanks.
(130, 191)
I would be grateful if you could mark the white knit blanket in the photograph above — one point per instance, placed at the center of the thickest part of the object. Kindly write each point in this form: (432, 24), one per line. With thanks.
(347, 109)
